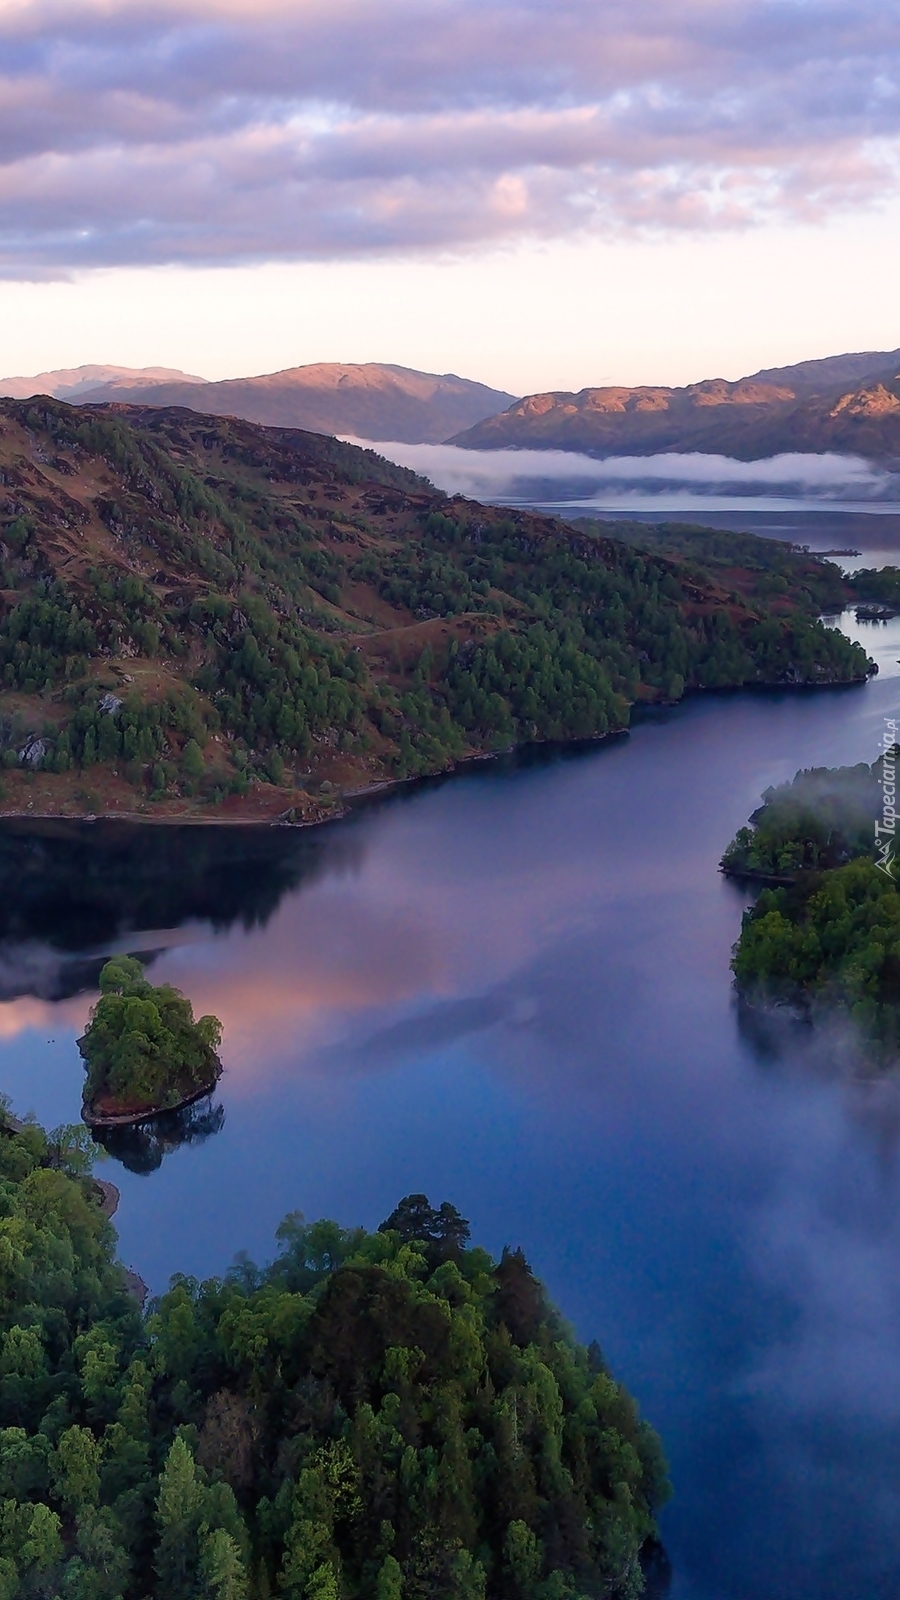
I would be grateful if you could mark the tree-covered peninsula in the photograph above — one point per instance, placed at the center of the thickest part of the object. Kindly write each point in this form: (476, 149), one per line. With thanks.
(200, 614)
(827, 939)
(143, 1050)
(823, 818)
(375, 1416)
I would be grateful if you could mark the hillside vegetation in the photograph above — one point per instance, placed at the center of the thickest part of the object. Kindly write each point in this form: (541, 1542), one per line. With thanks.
(385, 1416)
(199, 612)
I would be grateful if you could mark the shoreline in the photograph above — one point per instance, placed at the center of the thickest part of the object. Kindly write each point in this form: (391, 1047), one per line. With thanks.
(341, 803)
(133, 1119)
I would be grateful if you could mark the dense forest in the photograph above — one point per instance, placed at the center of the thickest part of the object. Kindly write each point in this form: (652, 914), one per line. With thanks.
(828, 939)
(752, 566)
(197, 612)
(375, 1416)
(142, 1049)
(823, 818)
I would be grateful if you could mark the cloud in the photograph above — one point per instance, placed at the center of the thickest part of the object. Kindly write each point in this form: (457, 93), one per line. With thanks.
(242, 130)
(538, 475)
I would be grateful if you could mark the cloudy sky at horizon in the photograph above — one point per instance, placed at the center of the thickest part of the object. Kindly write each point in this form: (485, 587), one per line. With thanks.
(533, 194)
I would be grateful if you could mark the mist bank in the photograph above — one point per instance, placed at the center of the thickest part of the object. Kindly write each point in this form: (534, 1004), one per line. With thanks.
(690, 480)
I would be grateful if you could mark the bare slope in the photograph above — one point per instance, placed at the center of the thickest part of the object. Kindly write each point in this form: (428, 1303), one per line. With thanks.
(367, 401)
(849, 404)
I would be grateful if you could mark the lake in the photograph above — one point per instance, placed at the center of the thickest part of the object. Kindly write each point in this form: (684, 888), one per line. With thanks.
(511, 989)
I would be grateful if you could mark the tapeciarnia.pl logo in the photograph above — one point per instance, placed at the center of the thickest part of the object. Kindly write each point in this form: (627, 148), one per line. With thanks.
(886, 828)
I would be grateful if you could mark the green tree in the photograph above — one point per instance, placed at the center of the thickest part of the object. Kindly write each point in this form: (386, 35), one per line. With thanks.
(222, 1569)
(179, 1507)
(142, 1046)
(192, 767)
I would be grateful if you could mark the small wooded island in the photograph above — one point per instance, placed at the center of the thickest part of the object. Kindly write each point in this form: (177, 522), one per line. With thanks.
(143, 1050)
(391, 1415)
(826, 940)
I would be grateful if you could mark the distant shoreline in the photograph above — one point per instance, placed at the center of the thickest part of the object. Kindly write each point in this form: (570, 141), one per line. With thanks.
(337, 806)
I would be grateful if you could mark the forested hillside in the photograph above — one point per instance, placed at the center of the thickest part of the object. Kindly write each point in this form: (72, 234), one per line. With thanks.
(199, 612)
(387, 1416)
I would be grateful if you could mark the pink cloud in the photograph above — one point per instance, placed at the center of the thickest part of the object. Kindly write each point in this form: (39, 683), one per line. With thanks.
(220, 130)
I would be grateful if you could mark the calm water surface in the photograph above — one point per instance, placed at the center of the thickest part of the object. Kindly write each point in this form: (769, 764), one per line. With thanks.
(511, 990)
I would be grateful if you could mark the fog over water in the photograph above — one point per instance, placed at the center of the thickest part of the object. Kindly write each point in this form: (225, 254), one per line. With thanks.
(669, 483)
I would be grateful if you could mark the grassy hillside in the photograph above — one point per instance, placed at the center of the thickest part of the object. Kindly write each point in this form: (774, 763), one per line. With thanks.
(202, 613)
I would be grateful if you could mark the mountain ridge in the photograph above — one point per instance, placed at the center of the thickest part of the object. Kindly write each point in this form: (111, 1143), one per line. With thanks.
(847, 404)
(70, 383)
(367, 400)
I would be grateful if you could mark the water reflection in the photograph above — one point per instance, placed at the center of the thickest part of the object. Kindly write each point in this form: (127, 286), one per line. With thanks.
(141, 1148)
(513, 990)
(71, 891)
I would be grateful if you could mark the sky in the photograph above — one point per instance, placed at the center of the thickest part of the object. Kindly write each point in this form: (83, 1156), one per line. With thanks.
(536, 195)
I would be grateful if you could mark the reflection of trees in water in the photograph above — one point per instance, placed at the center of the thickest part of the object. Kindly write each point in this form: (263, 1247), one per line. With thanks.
(775, 1034)
(657, 1570)
(68, 888)
(141, 1148)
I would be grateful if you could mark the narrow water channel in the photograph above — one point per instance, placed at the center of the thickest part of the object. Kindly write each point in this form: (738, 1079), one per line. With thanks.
(511, 990)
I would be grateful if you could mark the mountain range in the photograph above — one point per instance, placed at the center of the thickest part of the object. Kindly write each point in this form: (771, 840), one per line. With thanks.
(364, 401)
(849, 404)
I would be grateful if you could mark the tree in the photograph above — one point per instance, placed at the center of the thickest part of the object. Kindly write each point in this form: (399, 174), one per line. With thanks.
(142, 1046)
(443, 1232)
(179, 1505)
(524, 1559)
(75, 1467)
(221, 1567)
(390, 1580)
(192, 768)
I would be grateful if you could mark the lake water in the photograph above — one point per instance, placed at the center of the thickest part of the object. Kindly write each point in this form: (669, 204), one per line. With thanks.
(511, 990)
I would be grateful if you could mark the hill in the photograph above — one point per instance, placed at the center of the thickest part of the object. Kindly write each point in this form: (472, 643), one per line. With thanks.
(70, 383)
(368, 401)
(848, 404)
(201, 614)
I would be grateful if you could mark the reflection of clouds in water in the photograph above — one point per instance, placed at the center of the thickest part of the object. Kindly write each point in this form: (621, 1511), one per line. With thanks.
(17, 1016)
(324, 960)
(334, 970)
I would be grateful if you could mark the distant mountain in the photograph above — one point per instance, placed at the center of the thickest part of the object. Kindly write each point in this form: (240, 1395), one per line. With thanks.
(368, 401)
(849, 404)
(819, 377)
(70, 383)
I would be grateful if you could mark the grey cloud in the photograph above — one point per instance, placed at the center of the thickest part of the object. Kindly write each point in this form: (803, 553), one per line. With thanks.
(220, 130)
